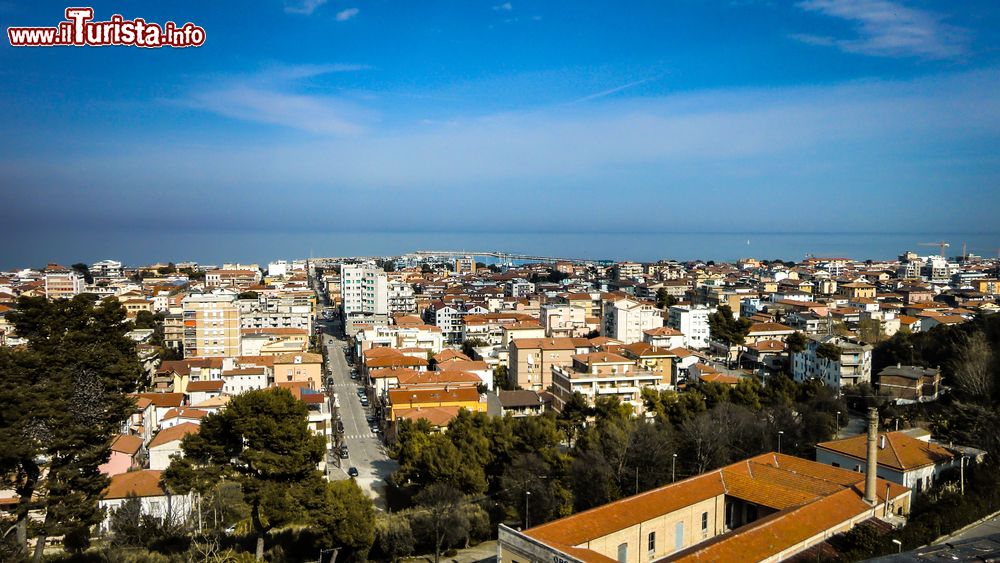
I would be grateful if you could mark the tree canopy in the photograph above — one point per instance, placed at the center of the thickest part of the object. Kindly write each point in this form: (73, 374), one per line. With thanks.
(62, 399)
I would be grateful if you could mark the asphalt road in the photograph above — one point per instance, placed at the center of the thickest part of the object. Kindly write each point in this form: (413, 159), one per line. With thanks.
(365, 449)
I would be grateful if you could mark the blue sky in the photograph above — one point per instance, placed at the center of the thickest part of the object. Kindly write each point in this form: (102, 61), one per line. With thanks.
(812, 115)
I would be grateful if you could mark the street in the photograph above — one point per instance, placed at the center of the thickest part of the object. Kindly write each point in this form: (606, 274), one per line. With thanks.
(365, 449)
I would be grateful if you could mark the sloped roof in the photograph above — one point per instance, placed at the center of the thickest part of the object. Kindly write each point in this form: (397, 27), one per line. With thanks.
(126, 444)
(173, 433)
(901, 452)
(144, 483)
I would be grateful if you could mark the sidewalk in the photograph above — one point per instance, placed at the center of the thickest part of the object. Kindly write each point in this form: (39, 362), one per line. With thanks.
(485, 552)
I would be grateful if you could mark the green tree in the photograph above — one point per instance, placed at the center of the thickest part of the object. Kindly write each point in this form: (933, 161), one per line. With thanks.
(725, 328)
(829, 352)
(84, 271)
(345, 519)
(261, 441)
(394, 536)
(62, 399)
(796, 342)
(664, 300)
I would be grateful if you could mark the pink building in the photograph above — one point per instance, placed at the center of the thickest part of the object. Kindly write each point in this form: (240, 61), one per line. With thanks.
(124, 451)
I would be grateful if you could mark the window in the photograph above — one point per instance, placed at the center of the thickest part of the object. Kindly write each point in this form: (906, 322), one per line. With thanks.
(652, 542)
(622, 553)
(678, 535)
(704, 521)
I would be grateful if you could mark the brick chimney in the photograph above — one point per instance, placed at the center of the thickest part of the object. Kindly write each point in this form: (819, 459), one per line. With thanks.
(872, 457)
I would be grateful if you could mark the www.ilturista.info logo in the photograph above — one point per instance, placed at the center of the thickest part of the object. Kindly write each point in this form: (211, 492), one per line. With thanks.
(79, 30)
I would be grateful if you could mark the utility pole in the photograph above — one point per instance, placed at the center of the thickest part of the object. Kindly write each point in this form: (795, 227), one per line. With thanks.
(673, 469)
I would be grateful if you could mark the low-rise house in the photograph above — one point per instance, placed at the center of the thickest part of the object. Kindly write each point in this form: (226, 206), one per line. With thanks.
(520, 403)
(155, 500)
(198, 391)
(664, 337)
(305, 368)
(909, 384)
(765, 354)
(167, 443)
(125, 454)
(173, 417)
(478, 368)
(768, 331)
(162, 403)
(247, 378)
(911, 462)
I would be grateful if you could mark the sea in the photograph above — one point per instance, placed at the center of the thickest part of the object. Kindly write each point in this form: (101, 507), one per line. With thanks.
(262, 246)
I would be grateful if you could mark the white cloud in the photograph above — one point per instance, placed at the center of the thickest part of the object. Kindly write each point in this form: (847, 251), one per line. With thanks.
(303, 7)
(887, 29)
(269, 97)
(347, 14)
(505, 7)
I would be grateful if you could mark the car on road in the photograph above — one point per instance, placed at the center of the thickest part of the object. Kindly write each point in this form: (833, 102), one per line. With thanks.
(375, 429)
(353, 472)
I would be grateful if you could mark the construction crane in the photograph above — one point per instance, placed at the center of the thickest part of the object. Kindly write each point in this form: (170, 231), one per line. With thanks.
(940, 244)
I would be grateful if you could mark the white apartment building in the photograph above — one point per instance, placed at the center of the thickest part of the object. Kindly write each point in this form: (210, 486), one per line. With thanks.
(106, 269)
(429, 338)
(400, 298)
(853, 366)
(364, 292)
(63, 284)
(692, 321)
(626, 319)
(276, 312)
(211, 325)
(278, 268)
(564, 320)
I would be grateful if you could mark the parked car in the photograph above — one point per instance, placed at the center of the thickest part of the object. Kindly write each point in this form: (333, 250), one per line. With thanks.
(343, 452)
(353, 472)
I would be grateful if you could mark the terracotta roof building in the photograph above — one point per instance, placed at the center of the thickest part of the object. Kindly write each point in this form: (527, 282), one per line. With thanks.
(764, 508)
(903, 459)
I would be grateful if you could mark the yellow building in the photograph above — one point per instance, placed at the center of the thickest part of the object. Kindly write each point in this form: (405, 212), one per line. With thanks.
(765, 508)
(305, 367)
(211, 325)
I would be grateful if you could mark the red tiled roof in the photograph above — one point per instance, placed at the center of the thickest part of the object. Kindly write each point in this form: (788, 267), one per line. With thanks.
(173, 433)
(145, 483)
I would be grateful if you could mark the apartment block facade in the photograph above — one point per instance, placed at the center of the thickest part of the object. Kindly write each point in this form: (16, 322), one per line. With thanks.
(211, 325)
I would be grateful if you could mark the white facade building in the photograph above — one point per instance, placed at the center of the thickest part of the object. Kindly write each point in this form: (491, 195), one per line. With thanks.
(853, 366)
(693, 323)
(626, 319)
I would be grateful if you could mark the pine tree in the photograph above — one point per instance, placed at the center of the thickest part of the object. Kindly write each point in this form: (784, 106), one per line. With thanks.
(261, 441)
(62, 399)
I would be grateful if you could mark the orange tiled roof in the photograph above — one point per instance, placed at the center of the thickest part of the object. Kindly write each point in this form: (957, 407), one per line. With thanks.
(901, 451)
(437, 416)
(164, 400)
(145, 483)
(173, 433)
(126, 444)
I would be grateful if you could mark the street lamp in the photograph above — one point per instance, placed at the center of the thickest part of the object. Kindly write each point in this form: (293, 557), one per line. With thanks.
(838, 424)
(527, 497)
(780, 432)
(673, 468)
(899, 546)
